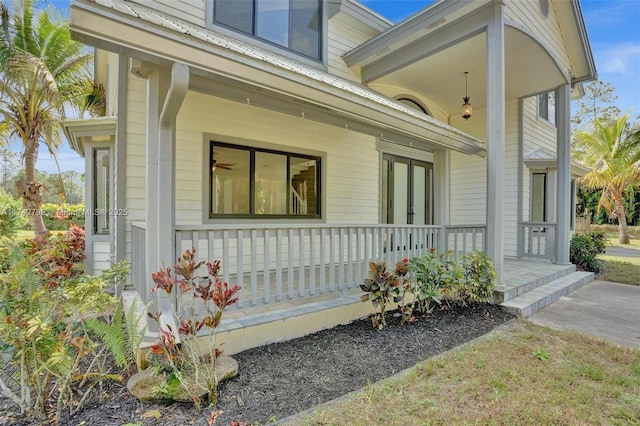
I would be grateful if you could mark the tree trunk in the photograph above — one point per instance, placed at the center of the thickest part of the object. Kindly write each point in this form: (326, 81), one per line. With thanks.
(31, 192)
(622, 222)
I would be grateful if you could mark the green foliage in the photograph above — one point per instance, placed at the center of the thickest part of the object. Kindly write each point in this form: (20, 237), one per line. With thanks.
(584, 248)
(45, 300)
(12, 216)
(479, 277)
(120, 332)
(437, 277)
(541, 354)
(383, 287)
(59, 217)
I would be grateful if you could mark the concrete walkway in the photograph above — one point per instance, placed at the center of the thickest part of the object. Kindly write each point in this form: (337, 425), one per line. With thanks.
(607, 310)
(623, 251)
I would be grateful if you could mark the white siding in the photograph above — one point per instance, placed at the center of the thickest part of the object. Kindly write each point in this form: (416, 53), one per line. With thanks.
(135, 186)
(351, 164)
(528, 14)
(101, 256)
(343, 37)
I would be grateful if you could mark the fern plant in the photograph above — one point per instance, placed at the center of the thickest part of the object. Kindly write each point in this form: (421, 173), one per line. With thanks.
(121, 334)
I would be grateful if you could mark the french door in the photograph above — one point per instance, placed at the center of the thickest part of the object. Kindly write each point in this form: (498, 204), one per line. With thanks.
(407, 191)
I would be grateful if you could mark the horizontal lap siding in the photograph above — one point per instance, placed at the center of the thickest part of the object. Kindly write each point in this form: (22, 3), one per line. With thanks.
(537, 133)
(351, 163)
(343, 37)
(528, 14)
(135, 169)
(101, 256)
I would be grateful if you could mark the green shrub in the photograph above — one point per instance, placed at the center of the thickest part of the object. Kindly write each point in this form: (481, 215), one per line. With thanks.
(60, 217)
(437, 277)
(46, 354)
(479, 277)
(584, 248)
(12, 215)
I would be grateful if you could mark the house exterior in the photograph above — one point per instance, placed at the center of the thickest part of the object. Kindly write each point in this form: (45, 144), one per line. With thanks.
(297, 140)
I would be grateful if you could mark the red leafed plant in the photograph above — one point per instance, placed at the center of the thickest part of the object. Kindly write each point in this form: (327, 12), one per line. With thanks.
(197, 315)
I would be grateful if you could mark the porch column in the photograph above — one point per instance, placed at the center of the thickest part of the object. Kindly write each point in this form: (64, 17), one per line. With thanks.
(563, 193)
(495, 137)
(165, 96)
(441, 193)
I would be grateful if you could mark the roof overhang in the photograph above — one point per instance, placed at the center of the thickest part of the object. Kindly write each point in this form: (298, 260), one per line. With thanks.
(543, 158)
(80, 132)
(226, 67)
(429, 53)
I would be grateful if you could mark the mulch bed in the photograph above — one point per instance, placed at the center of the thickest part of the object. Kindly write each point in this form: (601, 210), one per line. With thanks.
(282, 379)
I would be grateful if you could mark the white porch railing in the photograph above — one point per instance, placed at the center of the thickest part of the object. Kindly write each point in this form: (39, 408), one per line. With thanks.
(537, 240)
(276, 263)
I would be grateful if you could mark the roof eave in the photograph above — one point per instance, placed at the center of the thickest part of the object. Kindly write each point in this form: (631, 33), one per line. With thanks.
(80, 131)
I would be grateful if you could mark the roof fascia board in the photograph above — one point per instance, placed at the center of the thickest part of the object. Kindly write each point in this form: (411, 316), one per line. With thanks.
(577, 38)
(138, 38)
(396, 34)
(428, 45)
(77, 130)
(359, 12)
(586, 45)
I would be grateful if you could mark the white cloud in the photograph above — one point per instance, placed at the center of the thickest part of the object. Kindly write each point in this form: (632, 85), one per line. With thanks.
(621, 58)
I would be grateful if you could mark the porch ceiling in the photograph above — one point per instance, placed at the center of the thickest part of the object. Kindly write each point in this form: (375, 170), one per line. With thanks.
(440, 76)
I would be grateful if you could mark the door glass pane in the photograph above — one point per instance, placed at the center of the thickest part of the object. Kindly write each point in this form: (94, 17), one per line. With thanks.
(305, 27)
(538, 197)
(272, 21)
(271, 183)
(400, 193)
(385, 191)
(230, 181)
(419, 195)
(304, 187)
(237, 14)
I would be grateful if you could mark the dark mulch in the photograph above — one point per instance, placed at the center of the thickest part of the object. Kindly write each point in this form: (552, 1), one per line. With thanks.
(282, 379)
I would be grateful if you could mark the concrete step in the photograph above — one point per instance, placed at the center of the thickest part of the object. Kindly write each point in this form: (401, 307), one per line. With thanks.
(530, 278)
(527, 304)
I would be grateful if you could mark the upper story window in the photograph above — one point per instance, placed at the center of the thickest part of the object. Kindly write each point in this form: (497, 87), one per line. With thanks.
(295, 25)
(547, 107)
(258, 183)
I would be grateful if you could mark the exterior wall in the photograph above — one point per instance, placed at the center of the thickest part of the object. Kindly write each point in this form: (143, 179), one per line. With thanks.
(469, 178)
(350, 188)
(537, 133)
(101, 256)
(528, 14)
(135, 187)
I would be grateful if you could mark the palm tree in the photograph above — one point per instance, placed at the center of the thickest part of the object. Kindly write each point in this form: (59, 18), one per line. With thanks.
(612, 150)
(43, 71)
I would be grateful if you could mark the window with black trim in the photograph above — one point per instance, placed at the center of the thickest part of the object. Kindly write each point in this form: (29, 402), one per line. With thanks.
(295, 25)
(547, 107)
(253, 182)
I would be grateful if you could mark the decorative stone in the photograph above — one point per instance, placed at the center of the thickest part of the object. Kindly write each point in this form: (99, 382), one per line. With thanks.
(152, 385)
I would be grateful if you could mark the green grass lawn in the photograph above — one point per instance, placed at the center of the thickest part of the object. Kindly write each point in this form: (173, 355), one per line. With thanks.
(524, 375)
(620, 269)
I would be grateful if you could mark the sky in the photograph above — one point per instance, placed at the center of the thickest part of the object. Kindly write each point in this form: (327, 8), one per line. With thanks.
(613, 27)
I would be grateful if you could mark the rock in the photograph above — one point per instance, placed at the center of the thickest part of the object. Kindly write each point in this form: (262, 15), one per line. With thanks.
(152, 385)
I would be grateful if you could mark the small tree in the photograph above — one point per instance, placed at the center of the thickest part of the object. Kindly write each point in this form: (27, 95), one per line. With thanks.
(612, 150)
(43, 71)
